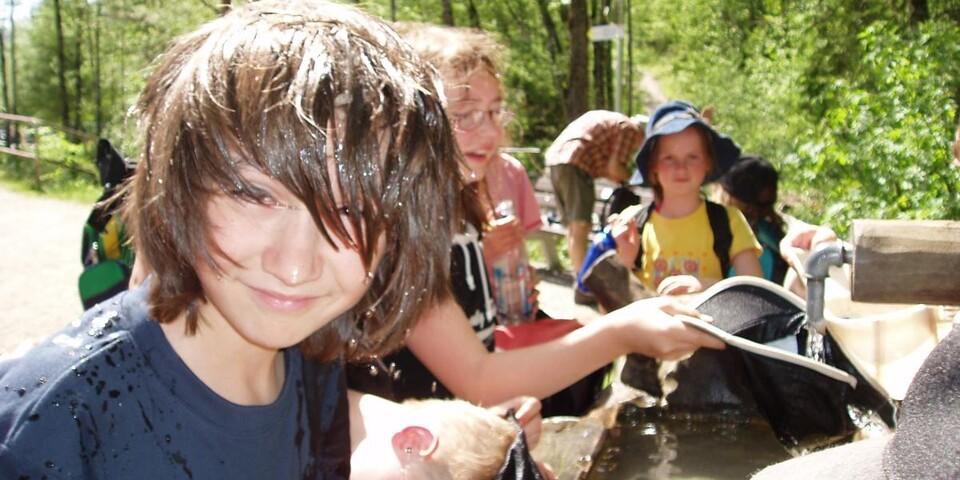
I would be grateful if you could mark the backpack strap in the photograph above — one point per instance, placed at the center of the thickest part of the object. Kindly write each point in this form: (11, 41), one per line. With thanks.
(621, 198)
(722, 236)
(642, 218)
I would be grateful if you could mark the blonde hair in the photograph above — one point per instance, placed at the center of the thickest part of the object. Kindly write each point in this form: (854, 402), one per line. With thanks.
(455, 52)
(473, 441)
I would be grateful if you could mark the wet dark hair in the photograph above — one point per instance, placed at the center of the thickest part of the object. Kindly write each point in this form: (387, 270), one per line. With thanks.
(263, 87)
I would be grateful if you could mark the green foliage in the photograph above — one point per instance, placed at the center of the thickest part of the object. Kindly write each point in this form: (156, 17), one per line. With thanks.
(66, 168)
(532, 77)
(109, 45)
(882, 148)
(854, 103)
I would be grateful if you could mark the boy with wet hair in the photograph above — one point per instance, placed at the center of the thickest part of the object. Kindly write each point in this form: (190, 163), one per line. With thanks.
(294, 188)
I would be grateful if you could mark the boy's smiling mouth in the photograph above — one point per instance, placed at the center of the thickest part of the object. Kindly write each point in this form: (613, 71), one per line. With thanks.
(282, 302)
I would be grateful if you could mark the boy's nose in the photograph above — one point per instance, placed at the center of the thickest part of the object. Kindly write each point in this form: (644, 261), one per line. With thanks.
(294, 257)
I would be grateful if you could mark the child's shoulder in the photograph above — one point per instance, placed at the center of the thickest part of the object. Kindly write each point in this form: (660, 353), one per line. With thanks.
(78, 360)
(77, 374)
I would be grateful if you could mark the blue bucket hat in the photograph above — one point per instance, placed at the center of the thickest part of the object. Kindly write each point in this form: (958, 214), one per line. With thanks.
(676, 116)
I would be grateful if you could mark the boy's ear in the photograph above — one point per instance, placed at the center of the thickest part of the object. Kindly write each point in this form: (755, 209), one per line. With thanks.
(414, 444)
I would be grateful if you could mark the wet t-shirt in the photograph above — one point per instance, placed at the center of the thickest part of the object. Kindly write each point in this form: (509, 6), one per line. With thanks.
(108, 398)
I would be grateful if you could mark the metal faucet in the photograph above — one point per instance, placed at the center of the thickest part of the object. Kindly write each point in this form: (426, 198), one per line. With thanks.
(817, 268)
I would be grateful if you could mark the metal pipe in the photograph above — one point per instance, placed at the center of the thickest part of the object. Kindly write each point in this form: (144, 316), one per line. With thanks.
(817, 269)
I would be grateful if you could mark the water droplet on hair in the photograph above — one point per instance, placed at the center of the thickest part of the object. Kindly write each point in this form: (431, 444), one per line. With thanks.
(373, 371)
(34, 417)
(49, 464)
(41, 381)
(433, 387)
(21, 391)
(167, 438)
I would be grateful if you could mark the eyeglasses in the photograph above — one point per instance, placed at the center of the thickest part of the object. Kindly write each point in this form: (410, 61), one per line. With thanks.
(474, 118)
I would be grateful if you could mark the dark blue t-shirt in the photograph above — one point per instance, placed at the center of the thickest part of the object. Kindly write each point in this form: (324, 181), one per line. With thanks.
(109, 398)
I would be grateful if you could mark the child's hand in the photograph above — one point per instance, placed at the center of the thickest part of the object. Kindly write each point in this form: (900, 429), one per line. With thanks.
(805, 236)
(623, 227)
(527, 412)
(501, 237)
(679, 285)
(654, 327)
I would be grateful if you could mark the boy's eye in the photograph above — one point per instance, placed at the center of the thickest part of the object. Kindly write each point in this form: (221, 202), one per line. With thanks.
(260, 196)
(267, 200)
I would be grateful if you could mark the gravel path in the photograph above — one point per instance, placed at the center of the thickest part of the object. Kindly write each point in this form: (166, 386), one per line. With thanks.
(40, 263)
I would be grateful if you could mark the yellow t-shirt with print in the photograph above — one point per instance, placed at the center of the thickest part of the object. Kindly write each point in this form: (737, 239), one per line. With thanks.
(684, 246)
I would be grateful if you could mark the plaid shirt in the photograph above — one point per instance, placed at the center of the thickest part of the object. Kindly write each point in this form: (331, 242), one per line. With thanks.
(595, 139)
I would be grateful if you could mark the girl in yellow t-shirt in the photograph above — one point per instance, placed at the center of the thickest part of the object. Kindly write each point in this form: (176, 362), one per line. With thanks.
(680, 154)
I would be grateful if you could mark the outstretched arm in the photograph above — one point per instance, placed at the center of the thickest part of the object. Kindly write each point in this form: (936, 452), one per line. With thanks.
(445, 343)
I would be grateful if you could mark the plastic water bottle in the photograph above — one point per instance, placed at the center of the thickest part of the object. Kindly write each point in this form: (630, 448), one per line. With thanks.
(511, 277)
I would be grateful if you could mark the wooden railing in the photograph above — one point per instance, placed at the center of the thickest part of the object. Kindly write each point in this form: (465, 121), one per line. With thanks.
(20, 137)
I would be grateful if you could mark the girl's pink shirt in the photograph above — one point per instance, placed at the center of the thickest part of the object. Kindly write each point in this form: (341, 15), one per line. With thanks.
(508, 180)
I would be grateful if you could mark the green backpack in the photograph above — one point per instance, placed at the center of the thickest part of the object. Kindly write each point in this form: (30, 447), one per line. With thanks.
(106, 254)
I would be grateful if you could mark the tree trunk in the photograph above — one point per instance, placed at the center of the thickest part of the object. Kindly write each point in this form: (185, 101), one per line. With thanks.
(447, 13)
(61, 67)
(474, 14)
(14, 137)
(553, 40)
(629, 90)
(577, 85)
(6, 96)
(3, 72)
(78, 63)
(97, 92)
(393, 10)
(919, 11)
(601, 59)
(225, 6)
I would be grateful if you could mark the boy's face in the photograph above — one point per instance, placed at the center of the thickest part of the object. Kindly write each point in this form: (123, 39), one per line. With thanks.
(475, 105)
(681, 162)
(281, 279)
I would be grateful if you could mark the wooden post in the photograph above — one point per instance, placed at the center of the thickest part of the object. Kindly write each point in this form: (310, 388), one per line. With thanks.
(906, 261)
(36, 155)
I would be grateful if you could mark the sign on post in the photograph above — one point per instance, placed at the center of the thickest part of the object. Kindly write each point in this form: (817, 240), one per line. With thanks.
(606, 32)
